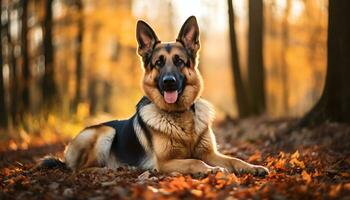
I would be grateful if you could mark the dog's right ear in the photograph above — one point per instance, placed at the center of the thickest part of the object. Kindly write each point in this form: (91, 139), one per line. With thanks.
(146, 38)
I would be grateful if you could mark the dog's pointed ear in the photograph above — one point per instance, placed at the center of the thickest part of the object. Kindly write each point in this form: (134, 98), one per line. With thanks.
(146, 38)
(189, 34)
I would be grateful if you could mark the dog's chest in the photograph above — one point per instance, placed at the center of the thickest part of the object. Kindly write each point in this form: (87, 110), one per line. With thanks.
(178, 136)
(175, 135)
(176, 125)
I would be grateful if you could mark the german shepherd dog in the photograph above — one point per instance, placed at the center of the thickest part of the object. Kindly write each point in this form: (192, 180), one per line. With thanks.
(171, 129)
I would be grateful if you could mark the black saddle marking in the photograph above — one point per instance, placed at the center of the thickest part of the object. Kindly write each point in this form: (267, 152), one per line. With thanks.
(126, 146)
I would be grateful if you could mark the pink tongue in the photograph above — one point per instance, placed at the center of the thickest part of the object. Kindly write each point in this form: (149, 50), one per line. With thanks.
(170, 96)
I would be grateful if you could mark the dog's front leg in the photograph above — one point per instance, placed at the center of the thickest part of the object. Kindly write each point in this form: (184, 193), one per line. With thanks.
(186, 166)
(234, 164)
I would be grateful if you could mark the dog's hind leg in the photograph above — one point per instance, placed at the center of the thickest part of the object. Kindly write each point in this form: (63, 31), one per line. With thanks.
(91, 148)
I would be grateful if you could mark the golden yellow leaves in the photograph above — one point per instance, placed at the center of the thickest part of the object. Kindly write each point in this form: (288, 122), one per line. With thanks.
(291, 162)
(206, 187)
(295, 162)
(278, 163)
(285, 161)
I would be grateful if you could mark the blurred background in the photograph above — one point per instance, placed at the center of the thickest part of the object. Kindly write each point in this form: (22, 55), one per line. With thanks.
(67, 64)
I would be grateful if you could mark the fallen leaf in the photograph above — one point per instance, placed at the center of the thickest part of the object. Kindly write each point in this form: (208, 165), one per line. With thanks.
(347, 186)
(280, 164)
(197, 193)
(306, 176)
(345, 174)
(295, 162)
(335, 189)
(295, 155)
(255, 157)
(6, 171)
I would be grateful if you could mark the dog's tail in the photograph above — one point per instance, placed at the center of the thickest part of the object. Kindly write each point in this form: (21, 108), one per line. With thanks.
(51, 162)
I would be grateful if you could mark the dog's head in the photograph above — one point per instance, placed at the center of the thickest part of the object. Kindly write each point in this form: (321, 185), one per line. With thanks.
(171, 79)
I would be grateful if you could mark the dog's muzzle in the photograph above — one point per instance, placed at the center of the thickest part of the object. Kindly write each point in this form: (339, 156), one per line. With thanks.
(171, 86)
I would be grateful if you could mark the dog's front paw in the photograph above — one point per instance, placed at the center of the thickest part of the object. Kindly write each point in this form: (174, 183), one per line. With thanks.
(260, 171)
(256, 170)
(215, 170)
(211, 170)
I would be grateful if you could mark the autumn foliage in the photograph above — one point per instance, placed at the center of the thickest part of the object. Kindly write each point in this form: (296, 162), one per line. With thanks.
(318, 169)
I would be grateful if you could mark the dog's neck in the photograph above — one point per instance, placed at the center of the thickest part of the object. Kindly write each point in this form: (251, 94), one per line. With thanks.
(196, 119)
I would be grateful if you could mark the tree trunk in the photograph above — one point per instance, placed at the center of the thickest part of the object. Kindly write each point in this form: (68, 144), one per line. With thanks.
(284, 63)
(334, 104)
(93, 96)
(3, 112)
(49, 85)
(79, 49)
(241, 98)
(12, 62)
(25, 58)
(256, 75)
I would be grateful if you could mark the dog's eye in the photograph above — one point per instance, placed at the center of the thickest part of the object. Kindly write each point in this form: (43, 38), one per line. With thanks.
(160, 61)
(178, 61)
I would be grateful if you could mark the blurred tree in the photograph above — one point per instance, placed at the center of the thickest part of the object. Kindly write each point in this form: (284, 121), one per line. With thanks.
(93, 79)
(78, 59)
(25, 57)
(93, 96)
(3, 112)
(49, 86)
(334, 104)
(12, 62)
(316, 38)
(256, 74)
(241, 96)
(284, 63)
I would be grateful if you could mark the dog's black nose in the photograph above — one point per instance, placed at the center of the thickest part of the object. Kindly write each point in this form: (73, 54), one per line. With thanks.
(169, 80)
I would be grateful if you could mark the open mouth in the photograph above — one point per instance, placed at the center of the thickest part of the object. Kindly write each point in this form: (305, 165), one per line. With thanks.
(171, 96)
(171, 88)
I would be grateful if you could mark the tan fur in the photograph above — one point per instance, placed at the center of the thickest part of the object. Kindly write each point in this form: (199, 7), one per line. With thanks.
(90, 148)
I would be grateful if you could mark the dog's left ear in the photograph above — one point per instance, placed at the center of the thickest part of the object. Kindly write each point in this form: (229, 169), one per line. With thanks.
(189, 35)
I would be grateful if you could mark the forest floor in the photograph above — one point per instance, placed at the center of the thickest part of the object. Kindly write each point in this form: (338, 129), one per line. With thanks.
(305, 164)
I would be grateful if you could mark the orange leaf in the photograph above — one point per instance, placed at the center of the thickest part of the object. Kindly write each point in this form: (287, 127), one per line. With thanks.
(197, 193)
(317, 173)
(306, 176)
(347, 186)
(6, 171)
(281, 163)
(255, 157)
(335, 189)
(344, 174)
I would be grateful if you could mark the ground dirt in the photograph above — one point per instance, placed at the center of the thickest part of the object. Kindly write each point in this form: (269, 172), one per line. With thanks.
(309, 163)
